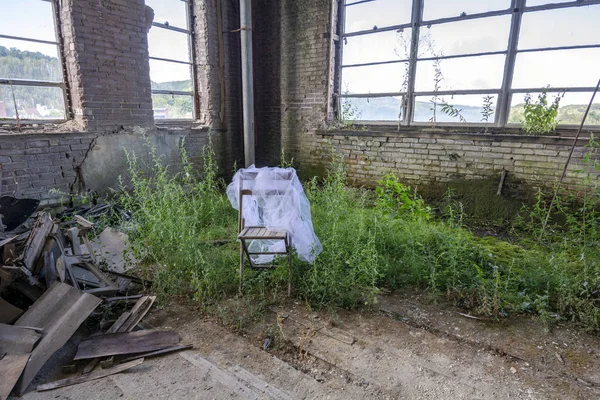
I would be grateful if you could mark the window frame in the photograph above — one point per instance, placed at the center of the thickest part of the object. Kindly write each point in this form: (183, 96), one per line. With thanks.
(504, 94)
(192, 65)
(58, 42)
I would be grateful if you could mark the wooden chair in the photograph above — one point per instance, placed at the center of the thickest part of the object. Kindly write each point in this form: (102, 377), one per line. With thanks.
(246, 233)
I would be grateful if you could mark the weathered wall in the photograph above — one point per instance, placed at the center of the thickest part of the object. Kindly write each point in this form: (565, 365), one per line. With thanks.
(106, 51)
(294, 109)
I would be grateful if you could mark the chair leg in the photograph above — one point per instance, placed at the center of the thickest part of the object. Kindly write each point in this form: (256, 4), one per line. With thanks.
(290, 267)
(241, 267)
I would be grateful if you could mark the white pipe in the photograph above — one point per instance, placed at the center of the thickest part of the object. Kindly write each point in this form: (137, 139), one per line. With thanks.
(247, 80)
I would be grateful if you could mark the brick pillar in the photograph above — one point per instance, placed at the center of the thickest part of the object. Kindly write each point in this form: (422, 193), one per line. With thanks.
(106, 48)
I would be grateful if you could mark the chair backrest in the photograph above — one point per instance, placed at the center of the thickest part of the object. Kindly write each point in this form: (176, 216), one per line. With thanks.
(249, 177)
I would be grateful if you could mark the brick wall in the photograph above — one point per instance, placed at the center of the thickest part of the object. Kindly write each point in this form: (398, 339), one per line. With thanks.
(301, 121)
(106, 49)
(107, 64)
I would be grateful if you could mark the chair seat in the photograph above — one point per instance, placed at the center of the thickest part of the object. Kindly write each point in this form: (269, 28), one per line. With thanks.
(260, 232)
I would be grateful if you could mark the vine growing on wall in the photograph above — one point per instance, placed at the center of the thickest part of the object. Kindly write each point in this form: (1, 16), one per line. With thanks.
(540, 115)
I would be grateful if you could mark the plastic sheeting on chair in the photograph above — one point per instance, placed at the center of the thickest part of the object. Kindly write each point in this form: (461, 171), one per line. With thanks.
(277, 202)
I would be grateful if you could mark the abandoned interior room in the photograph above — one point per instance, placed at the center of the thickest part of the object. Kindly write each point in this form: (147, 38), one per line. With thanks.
(299, 199)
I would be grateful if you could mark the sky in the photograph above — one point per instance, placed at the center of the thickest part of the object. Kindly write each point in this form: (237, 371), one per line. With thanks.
(561, 27)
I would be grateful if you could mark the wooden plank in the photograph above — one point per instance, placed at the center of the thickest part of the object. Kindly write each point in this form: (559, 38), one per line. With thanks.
(8, 312)
(138, 315)
(16, 339)
(73, 235)
(125, 343)
(93, 376)
(269, 391)
(11, 367)
(37, 239)
(168, 350)
(59, 312)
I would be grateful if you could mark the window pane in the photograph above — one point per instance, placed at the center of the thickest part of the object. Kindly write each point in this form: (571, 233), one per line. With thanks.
(560, 68)
(379, 13)
(32, 102)
(168, 106)
(481, 72)
(570, 111)
(170, 76)
(372, 108)
(164, 43)
(32, 19)
(562, 27)
(465, 37)
(435, 9)
(27, 60)
(383, 46)
(386, 78)
(472, 108)
(173, 12)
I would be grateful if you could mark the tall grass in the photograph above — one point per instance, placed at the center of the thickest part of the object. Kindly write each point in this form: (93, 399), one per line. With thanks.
(371, 240)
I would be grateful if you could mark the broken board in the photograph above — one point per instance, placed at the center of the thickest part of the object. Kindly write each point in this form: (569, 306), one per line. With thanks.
(16, 339)
(59, 312)
(113, 344)
(90, 377)
(11, 367)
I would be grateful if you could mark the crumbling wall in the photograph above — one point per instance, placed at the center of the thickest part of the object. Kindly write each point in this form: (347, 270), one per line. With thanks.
(107, 65)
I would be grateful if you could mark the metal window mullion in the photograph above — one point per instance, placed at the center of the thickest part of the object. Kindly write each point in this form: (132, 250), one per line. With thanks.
(190, 18)
(503, 105)
(29, 39)
(374, 63)
(485, 53)
(170, 60)
(171, 92)
(456, 92)
(378, 30)
(578, 89)
(171, 28)
(554, 6)
(409, 101)
(340, 83)
(574, 47)
(372, 95)
(24, 82)
(62, 60)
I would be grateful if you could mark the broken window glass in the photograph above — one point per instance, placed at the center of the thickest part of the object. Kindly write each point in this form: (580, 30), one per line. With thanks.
(562, 27)
(480, 72)
(377, 47)
(384, 78)
(572, 106)
(435, 9)
(465, 37)
(376, 14)
(557, 68)
(472, 108)
(388, 108)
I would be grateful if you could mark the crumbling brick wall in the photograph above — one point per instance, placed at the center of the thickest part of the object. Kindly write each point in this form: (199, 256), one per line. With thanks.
(107, 65)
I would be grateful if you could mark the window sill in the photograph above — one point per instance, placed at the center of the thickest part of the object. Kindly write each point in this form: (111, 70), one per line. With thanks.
(456, 132)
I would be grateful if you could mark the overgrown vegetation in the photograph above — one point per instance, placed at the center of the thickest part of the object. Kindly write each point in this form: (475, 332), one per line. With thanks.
(387, 239)
(540, 116)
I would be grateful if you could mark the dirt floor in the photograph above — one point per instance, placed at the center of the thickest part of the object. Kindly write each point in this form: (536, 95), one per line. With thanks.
(407, 347)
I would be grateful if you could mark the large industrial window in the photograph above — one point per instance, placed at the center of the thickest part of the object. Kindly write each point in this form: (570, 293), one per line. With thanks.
(32, 83)
(440, 62)
(169, 42)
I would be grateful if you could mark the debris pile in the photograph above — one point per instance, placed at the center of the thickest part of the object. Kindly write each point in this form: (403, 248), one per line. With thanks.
(52, 279)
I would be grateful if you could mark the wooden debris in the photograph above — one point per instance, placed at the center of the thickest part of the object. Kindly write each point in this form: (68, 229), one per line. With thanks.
(125, 343)
(73, 234)
(16, 339)
(93, 376)
(37, 239)
(8, 312)
(59, 312)
(11, 367)
(168, 350)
